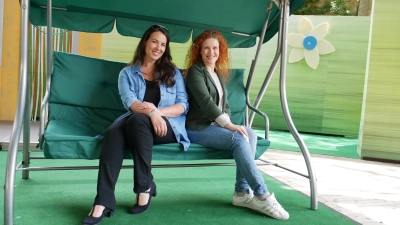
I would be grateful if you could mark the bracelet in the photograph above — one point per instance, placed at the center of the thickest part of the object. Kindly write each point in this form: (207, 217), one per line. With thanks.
(151, 112)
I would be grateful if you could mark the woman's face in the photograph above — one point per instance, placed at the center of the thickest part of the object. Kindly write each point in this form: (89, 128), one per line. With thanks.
(210, 51)
(155, 46)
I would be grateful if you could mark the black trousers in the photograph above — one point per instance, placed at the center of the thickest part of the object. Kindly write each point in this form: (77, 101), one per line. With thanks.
(136, 133)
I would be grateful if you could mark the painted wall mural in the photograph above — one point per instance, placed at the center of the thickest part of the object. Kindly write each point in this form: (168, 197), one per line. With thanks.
(309, 43)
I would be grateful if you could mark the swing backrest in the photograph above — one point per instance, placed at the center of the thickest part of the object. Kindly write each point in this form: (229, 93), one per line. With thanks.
(84, 101)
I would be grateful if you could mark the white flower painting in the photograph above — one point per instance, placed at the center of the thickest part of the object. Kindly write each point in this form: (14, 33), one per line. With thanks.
(309, 43)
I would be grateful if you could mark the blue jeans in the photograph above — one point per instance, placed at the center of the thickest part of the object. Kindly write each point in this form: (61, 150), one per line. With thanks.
(247, 174)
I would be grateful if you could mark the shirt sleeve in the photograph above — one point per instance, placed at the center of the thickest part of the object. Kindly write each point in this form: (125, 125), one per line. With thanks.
(181, 94)
(223, 119)
(128, 96)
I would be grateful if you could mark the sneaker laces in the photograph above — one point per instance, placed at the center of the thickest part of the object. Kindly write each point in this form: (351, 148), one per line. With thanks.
(273, 203)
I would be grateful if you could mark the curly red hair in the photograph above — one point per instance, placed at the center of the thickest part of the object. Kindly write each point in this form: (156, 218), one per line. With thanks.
(222, 64)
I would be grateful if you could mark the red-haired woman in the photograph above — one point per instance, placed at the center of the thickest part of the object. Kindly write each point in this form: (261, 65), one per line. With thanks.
(208, 121)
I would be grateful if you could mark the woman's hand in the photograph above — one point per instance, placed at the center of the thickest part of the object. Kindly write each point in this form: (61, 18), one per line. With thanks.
(146, 105)
(240, 129)
(159, 124)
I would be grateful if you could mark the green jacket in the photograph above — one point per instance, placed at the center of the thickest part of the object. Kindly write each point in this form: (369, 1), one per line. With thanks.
(203, 98)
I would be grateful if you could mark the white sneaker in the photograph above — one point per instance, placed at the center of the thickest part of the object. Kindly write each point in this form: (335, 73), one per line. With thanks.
(244, 201)
(270, 207)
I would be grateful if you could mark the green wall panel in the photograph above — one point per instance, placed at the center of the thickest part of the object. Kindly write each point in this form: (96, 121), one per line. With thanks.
(326, 100)
(121, 48)
(379, 136)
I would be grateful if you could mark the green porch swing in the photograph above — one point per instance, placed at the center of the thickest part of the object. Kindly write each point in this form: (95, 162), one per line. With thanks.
(241, 23)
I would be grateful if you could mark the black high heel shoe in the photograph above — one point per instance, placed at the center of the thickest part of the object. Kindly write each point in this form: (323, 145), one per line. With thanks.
(137, 209)
(91, 220)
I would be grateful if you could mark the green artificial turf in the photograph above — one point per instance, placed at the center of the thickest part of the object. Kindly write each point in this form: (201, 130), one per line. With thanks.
(318, 144)
(200, 195)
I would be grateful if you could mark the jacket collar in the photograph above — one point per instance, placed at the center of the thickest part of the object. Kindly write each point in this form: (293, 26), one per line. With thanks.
(136, 68)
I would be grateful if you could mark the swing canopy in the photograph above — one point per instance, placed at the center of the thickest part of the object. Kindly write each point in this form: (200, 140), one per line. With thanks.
(240, 21)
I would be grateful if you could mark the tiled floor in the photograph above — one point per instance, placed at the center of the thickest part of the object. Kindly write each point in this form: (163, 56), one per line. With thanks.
(5, 130)
(5, 133)
(367, 192)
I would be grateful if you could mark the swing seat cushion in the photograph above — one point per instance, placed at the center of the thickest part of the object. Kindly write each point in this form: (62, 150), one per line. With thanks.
(84, 101)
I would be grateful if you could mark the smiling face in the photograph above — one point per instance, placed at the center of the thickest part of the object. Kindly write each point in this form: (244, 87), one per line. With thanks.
(210, 51)
(155, 46)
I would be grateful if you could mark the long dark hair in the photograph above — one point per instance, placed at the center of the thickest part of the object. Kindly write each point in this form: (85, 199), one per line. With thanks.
(164, 68)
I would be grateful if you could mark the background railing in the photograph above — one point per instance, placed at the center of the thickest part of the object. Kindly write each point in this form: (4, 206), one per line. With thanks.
(62, 41)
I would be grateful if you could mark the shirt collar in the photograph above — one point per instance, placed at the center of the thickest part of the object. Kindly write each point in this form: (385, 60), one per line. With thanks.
(136, 68)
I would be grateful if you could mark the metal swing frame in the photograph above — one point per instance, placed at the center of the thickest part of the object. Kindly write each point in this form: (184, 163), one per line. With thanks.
(22, 117)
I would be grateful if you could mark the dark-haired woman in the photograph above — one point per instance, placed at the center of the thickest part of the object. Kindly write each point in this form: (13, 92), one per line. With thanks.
(152, 89)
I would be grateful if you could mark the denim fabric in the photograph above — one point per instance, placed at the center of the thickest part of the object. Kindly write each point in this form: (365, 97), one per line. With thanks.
(247, 174)
(132, 87)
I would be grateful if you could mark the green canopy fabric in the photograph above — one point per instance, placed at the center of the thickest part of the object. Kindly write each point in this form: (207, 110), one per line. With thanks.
(183, 18)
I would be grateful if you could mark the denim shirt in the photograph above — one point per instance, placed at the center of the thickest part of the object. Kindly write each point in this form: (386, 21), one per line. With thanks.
(132, 87)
